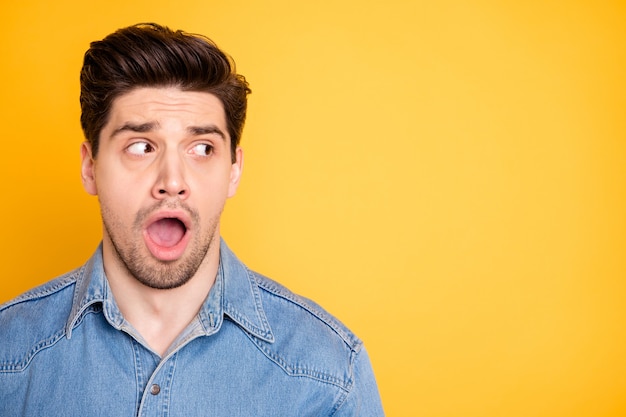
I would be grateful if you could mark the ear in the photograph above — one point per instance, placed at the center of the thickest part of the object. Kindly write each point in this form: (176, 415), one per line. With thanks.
(235, 172)
(87, 169)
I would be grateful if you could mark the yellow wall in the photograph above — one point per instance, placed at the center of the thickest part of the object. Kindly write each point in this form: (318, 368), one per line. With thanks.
(447, 177)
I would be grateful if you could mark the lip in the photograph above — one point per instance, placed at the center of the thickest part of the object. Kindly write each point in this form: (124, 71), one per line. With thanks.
(167, 254)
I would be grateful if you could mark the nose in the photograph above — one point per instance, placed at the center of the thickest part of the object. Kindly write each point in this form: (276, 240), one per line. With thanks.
(170, 178)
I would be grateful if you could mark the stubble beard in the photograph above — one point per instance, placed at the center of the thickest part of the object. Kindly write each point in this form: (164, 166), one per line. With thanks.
(151, 272)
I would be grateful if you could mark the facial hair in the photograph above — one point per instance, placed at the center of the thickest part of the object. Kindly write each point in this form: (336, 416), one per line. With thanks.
(144, 268)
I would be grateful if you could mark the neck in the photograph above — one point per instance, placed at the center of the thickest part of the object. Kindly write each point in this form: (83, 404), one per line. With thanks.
(160, 315)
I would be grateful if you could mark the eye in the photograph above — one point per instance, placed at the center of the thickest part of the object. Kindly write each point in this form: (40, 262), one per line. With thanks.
(202, 149)
(140, 148)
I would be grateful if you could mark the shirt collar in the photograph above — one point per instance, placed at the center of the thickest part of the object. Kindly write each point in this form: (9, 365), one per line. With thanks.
(235, 294)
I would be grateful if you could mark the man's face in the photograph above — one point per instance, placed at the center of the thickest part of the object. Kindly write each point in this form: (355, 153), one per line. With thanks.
(162, 174)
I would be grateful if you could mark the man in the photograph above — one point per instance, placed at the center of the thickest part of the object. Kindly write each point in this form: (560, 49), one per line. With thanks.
(164, 319)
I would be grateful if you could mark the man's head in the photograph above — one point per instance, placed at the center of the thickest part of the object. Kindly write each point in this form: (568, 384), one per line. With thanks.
(163, 113)
(150, 55)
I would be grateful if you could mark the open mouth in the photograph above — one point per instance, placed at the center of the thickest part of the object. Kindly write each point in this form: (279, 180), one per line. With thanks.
(167, 232)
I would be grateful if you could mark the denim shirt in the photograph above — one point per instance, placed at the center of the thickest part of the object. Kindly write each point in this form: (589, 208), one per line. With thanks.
(254, 349)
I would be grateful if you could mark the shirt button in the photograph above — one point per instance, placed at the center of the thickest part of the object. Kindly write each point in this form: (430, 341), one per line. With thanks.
(155, 389)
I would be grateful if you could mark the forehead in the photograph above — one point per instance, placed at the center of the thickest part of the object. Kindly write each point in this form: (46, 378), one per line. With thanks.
(167, 107)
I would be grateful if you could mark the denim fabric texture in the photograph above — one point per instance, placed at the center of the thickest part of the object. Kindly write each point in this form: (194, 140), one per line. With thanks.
(254, 349)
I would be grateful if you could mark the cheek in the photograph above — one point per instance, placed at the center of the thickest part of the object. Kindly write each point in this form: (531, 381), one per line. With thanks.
(117, 208)
(119, 193)
(210, 183)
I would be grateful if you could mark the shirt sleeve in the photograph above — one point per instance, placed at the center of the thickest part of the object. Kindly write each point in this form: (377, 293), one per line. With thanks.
(363, 400)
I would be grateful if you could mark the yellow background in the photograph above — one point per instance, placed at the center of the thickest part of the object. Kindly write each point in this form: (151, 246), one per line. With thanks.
(446, 177)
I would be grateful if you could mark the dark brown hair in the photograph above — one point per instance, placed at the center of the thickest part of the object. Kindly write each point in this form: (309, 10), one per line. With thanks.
(150, 55)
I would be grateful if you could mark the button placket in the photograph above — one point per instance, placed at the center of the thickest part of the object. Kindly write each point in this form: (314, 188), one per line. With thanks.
(156, 395)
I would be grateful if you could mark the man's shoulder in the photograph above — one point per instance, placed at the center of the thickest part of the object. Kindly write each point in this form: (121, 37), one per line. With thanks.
(34, 319)
(308, 340)
(291, 317)
(281, 301)
(45, 290)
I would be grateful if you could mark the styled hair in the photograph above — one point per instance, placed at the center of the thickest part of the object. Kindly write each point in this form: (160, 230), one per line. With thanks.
(151, 55)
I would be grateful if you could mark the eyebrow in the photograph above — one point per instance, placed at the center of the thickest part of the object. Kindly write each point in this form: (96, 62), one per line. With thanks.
(206, 130)
(210, 129)
(134, 127)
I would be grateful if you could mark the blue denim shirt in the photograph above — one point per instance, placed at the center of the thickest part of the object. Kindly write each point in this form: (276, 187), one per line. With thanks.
(254, 349)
